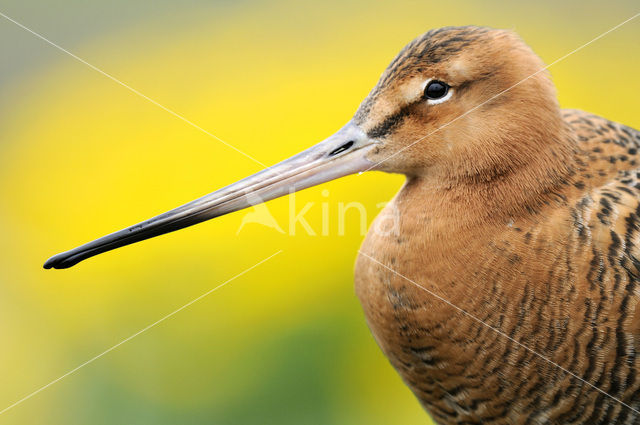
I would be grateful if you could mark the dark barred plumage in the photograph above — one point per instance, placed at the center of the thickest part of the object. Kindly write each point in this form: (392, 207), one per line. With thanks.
(563, 281)
(542, 246)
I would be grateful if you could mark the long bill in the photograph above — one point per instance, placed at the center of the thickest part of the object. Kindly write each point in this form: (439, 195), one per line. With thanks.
(341, 154)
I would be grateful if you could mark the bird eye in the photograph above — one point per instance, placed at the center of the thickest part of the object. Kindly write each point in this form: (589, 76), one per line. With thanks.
(436, 90)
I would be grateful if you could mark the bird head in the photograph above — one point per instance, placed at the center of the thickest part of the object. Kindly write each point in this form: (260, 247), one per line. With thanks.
(459, 101)
(462, 102)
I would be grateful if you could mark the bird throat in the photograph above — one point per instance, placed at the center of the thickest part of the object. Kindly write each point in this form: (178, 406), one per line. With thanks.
(453, 248)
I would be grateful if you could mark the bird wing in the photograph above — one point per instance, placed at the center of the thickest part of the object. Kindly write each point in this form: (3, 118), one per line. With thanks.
(607, 218)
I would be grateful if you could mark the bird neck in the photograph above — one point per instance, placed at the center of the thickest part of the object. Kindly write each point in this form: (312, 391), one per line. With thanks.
(531, 174)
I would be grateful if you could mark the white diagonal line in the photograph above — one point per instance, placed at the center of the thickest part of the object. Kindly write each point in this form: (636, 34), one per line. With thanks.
(505, 90)
(91, 360)
(499, 332)
(111, 77)
(376, 261)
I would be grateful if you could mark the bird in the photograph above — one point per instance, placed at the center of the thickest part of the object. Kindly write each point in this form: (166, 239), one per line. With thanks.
(507, 290)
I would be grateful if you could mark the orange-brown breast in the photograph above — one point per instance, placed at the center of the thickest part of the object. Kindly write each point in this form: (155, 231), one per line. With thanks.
(561, 279)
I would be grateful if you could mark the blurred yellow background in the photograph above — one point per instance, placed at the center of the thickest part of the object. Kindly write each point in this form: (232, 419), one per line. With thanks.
(81, 156)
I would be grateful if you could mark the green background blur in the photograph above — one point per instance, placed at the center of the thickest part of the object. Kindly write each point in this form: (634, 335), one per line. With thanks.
(81, 156)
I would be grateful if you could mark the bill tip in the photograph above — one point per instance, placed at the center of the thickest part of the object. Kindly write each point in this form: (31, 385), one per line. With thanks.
(59, 261)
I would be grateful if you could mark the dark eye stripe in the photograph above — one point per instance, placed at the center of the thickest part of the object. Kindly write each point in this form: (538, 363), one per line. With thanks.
(390, 123)
(394, 120)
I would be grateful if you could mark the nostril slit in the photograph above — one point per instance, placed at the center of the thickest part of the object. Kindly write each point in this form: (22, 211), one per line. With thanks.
(342, 148)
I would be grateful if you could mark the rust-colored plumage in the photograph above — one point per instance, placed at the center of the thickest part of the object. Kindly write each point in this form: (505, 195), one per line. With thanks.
(523, 215)
(506, 289)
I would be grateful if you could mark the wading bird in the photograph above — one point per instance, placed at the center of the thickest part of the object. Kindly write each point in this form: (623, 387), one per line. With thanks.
(508, 290)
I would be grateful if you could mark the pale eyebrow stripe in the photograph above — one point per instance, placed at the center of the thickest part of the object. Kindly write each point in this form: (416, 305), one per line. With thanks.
(560, 59)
